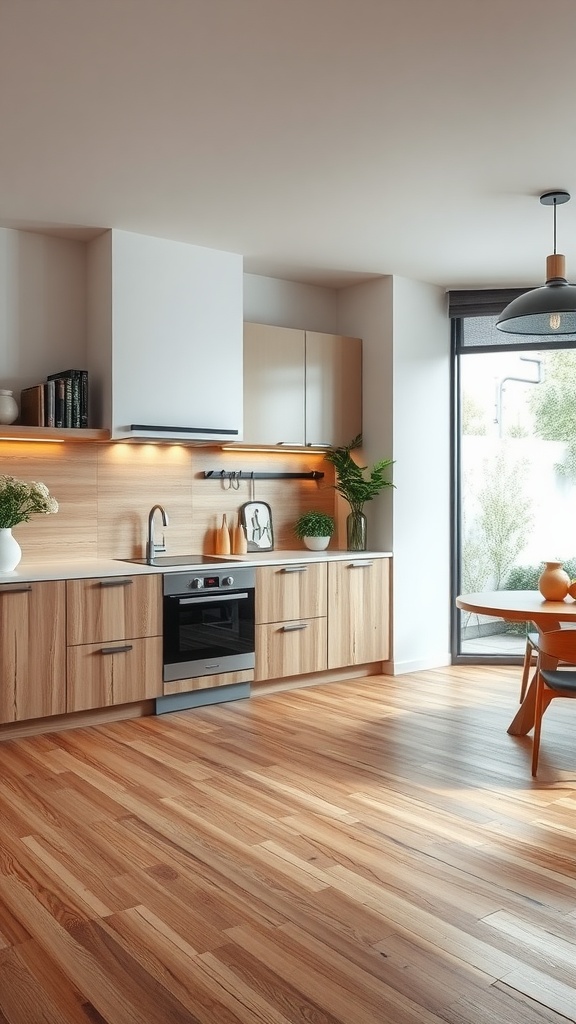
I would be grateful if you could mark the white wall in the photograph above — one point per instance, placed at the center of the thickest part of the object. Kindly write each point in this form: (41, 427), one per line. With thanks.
(42, 307)
(268, 300)
(421, 542)
(406, 383)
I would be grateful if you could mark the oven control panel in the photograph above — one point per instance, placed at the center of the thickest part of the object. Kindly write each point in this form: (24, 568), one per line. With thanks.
(180, 582)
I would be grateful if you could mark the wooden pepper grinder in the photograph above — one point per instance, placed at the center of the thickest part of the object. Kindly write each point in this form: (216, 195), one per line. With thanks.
(240, 543)
(223, 538)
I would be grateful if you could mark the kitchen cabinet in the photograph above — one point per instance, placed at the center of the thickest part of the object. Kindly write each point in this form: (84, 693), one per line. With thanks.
(33, 650)
(358, 611)
(301, 387)
(291, 629)
(164, 339)
(114, 653)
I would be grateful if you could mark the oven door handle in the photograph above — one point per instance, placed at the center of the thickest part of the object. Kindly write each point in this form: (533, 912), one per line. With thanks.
(212, 598)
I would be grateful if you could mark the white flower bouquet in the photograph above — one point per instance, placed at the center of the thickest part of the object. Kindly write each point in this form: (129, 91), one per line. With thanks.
(19, 501)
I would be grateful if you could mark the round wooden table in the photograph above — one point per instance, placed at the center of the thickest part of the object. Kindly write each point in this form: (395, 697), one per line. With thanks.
(521, 606)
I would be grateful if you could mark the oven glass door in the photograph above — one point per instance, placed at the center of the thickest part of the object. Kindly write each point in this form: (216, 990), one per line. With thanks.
(208, 626)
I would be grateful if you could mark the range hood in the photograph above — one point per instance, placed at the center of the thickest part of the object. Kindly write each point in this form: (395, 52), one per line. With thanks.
(191, 435)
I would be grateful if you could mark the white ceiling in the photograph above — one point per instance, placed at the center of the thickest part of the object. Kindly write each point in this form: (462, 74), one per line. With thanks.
(325, 140)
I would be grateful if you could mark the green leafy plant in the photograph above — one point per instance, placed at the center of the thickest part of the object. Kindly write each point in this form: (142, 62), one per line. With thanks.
(351, 479)
(19, 501)
(314, 524)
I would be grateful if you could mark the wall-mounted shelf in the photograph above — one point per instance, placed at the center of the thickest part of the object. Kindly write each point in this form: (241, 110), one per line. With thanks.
(22, 433)
(223, 474)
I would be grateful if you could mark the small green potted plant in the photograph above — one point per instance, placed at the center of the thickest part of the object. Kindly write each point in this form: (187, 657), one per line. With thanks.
(315, 529)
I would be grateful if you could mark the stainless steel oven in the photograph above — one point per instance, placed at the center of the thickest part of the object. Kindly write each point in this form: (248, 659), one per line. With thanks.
(208, 622)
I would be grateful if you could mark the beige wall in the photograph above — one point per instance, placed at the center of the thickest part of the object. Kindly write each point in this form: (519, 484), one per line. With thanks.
(105, 492)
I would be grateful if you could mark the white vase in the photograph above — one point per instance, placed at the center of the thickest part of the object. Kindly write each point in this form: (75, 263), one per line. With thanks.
(10, 551)
(8, 407)
(316, 543)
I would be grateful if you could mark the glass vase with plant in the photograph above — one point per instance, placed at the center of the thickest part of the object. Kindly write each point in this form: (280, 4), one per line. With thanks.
(357, 484)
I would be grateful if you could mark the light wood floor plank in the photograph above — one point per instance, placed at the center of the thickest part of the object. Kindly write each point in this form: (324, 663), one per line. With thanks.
(373, 851)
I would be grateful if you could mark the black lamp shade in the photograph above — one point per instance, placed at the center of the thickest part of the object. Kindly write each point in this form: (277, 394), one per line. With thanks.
(549, 311)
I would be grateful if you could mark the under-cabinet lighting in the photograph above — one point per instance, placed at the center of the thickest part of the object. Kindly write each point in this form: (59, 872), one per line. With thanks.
(34, 440)
(273, 449)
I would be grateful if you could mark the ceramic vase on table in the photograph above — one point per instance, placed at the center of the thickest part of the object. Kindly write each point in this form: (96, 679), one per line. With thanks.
(554, 582)
(356, 532)
(10, 551)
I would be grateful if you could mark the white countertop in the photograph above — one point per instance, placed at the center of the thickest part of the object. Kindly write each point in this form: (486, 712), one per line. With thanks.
(96, 567)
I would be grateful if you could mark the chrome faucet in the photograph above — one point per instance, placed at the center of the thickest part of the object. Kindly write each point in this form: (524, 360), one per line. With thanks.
(153, 549)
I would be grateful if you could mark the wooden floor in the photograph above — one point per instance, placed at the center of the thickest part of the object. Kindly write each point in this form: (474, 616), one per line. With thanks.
(364, 852)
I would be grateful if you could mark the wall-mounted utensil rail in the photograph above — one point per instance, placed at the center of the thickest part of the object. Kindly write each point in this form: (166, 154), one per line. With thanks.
(222, 474)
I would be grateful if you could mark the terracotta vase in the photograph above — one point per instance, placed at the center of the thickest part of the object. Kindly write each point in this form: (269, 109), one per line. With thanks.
(554, 582)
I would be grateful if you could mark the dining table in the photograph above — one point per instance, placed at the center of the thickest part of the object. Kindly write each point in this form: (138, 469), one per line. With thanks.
(522, 606)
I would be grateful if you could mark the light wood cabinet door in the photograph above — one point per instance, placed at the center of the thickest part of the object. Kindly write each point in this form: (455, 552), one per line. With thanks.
(113, 608)
(290, 648)
(294, 591)
(32, 650)
(274, 382)
(333, 389)
(358, 611)
(117, 673)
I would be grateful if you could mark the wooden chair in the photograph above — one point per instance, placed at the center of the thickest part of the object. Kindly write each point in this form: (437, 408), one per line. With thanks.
(530, 660)
(559, 644)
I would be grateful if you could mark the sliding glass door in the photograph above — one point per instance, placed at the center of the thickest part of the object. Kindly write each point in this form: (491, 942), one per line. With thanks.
(515, 473)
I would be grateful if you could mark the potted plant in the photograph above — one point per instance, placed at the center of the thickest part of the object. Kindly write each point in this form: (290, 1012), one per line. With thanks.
(315, 529)
(357, 488)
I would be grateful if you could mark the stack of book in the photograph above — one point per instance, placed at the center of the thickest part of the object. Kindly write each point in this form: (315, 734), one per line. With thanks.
(60, 401)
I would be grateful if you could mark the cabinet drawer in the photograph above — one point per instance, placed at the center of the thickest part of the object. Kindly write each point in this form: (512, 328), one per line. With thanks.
(290, 648)
(113, 608)
(208, 682)
(118, 673)
(293, 591)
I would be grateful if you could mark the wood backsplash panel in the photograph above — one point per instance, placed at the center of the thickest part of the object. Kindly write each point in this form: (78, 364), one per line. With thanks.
(287, 498)
(131, 479)
(69, 472)
(105, 492)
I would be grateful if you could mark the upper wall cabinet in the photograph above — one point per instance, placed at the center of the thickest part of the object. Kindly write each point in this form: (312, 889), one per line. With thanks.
(164, 338)
(301, 387)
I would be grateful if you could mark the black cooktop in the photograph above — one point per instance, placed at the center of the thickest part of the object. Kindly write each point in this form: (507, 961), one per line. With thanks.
(161, 561)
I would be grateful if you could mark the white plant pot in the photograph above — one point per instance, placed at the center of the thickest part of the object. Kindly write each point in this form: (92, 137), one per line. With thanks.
(10, 551)
(316, 543)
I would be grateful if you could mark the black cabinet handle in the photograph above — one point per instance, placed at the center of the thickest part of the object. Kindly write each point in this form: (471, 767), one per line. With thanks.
(14, 590)
(117, 650)
(114, 582)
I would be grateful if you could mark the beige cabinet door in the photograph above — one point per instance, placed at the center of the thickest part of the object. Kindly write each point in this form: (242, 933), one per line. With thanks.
(113, 608)
(274, 384)
(290, 648)
(358, 611)
(293, 591)
(333, 389)
(117, 673)
(32, 650)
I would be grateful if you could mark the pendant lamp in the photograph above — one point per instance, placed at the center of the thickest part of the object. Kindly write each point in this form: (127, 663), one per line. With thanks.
(548, 311)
